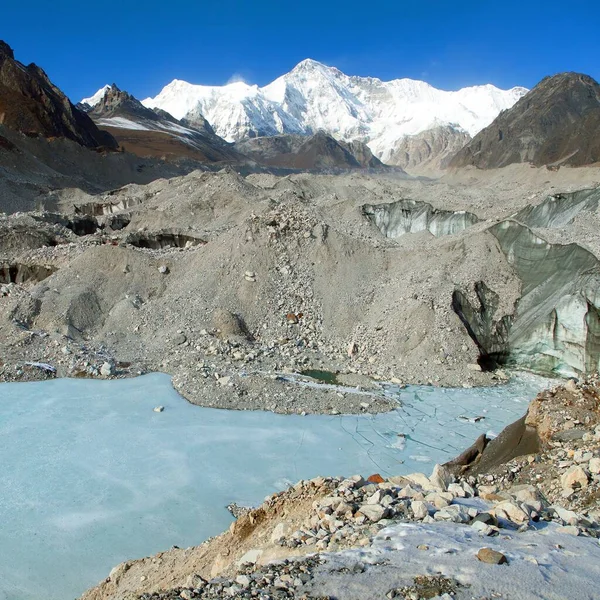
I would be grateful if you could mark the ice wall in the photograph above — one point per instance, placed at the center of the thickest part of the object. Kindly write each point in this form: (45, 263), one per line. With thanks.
(555, 327)
(411, 216)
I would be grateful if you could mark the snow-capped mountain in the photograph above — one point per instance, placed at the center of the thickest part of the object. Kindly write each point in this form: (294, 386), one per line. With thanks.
(95, 99)
(314, 96)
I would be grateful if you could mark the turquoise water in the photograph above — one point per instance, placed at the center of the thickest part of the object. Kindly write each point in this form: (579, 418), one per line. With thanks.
(92, 476)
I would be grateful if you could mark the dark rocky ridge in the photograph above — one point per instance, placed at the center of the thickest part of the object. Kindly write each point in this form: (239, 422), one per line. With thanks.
(557, 122)
(318, 151)
(160, 135)
(118, 103)
(31, 104)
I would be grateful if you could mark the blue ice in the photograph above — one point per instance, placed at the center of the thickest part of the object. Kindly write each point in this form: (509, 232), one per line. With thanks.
(92, 476)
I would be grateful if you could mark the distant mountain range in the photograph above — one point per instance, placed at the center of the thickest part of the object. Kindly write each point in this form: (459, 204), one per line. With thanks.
(314, 97)
(313, 118)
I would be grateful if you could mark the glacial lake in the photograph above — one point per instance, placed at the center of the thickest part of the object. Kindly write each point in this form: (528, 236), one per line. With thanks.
(92, 476)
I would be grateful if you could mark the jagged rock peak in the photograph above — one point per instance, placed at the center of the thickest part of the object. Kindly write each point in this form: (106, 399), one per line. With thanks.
(6, 51)
(116, 102)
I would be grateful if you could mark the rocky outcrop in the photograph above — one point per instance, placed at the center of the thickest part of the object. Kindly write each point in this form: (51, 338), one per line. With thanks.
(555, 327)
(156, 133)
(556, 123)
(318, 151)
(118, 103)
(31, 104)
(430, 150)
(410, 216)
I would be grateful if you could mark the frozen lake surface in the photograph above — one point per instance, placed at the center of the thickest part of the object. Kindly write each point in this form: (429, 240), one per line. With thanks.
(92, 476)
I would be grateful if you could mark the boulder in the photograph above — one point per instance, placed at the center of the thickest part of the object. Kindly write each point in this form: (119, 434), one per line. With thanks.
(493, 557)
(574, 478)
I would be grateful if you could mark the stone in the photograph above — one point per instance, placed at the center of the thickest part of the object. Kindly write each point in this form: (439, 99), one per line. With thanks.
(158, 409)
(568, 529)
(179, 339)
(528, 494)
(511, 512)
(482, 528)
(163, 269)
(243, 580)
(186, 595)
(439, 499)
(420, 480)
(419, 509)
(574, 478)
(373, 512)
(251, 556)
(280, 530)
(107, 369)
(195, 581)
(457, 490)
(441, 477)
(454, 513)
(594, 466)
(566, 516)
(375, 478)
(377, 497)
(493, 557)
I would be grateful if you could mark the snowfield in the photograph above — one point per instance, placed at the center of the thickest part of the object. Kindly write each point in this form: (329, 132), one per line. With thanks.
(314, 96)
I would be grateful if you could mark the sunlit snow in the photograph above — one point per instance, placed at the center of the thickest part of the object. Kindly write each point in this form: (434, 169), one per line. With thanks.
(314, 96)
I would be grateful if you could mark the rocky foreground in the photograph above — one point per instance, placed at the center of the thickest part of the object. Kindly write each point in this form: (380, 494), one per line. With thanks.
(469, 530)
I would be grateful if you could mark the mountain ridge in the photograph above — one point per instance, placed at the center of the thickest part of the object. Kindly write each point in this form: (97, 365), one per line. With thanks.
(313, 97)
(556, 123)
(32, 104)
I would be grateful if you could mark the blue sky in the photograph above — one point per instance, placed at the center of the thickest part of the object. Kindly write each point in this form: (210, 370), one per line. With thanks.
(142, 46)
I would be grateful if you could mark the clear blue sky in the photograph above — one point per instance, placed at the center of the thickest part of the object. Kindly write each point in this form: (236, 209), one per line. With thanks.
(141, 46)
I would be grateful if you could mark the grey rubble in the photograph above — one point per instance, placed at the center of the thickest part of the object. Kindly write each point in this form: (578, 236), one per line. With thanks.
(142, 290)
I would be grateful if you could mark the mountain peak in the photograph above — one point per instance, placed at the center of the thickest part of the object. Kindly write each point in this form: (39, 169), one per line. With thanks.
(31, 104)
(308, 64)
(93, 100)
(555, 123)
(6, 51)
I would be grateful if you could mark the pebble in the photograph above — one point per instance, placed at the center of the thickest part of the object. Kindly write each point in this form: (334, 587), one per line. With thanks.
(493, 557)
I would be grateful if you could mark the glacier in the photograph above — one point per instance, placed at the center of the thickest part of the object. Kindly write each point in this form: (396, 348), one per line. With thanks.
(93, 476)
(313, 97)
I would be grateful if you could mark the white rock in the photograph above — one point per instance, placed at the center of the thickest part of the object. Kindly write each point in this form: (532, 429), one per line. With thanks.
(107, 369)
(159, 409)
(281, 530)
(511, 512)
(419, 509)
(441, 477)
(575, 477)
(373, 512)
(594, 466)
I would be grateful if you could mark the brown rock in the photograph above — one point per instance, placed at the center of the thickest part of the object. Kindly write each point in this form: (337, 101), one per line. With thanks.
(493, 557)
(375, 478)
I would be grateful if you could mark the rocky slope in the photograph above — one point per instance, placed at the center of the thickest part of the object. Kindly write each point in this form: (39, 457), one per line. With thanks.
(428, 152)
(318, 151)
(31, 104)
(554, 124)
(546, 497)
(204, 275)
(156, 133)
